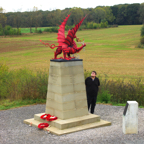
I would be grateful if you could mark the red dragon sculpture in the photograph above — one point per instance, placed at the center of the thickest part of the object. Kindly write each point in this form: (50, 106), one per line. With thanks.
(66, 45)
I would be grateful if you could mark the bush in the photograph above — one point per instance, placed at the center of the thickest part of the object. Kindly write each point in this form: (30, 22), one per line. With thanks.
(52, 29)
(142, 40)
(92, 25)
(80, 28)
(89, 25)
(67, 27)
(86, 73)
(95, 25)
(83, 27)
(123, 91)
(3, 81)
(47, 30)
(142, 31)
(1, 30)
(140, 45)
(26, 84)
(104, 96)
(19, 31)
(104, 24)
(1, 27)
(22, 84)
(38, 31)
(7, 30)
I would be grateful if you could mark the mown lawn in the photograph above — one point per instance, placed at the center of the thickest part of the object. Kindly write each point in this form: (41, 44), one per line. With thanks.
(111, 51)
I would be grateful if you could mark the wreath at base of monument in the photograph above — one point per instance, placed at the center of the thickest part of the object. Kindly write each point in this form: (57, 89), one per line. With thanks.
(43, 125)
(48, 117)
(44, 116)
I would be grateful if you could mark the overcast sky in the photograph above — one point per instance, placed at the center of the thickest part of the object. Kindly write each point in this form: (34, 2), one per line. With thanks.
(26, 5)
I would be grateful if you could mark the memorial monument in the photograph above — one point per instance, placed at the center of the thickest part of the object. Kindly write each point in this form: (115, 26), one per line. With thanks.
(66, 95)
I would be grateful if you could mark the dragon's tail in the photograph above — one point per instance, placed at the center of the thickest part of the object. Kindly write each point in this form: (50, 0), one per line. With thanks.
(52, 46)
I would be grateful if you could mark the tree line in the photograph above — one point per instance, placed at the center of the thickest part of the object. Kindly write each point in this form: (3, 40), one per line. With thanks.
(122, 14)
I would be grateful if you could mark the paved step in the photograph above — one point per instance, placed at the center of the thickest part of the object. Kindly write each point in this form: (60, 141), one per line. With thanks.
(69, 123)
(57, 131)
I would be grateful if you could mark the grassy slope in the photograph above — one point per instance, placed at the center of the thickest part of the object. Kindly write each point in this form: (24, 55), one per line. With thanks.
(109, 51)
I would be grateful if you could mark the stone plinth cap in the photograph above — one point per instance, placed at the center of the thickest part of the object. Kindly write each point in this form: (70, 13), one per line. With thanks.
(132, 102)
(64, 60)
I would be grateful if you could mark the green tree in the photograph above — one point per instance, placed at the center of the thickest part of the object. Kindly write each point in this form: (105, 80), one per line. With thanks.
(58, 15)
(91, 15)
(17, 19)
(29, 20)
(76, 16)
(142, 31)
(99, 14)
(36, 17)
(3, 18)
(132, 14)
(122, 14)
(44, 22)
(141, 12)
(54, 17)
(109, 15)
(115, 12)
(10, 18)
(51, 19)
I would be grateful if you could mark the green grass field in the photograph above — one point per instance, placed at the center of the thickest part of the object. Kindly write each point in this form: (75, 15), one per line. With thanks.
(111, 51)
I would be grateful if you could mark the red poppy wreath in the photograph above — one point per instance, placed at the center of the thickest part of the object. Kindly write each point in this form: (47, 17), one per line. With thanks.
(44, 116)
(48, 117)
(43, 125)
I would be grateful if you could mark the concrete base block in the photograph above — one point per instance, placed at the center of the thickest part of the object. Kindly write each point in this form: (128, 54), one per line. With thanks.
(69, 123)
(60, 127)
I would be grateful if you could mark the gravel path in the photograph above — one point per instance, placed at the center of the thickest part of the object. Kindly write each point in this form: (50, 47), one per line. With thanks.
(14, 131)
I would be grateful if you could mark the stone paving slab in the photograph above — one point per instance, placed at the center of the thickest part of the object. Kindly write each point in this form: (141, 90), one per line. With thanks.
(57, 131)
(69, 123)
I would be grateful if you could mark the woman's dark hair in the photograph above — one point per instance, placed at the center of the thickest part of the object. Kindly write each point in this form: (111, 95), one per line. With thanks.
(94, 72)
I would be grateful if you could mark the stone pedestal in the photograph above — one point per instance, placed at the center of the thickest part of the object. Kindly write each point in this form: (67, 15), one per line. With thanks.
(66, 99)
(130, 118)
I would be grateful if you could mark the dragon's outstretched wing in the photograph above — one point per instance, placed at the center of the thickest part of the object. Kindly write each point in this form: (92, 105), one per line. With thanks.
(61, 31)
(71, 33)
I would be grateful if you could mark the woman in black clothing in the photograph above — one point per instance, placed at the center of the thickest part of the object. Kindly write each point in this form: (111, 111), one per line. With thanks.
(92, 85)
